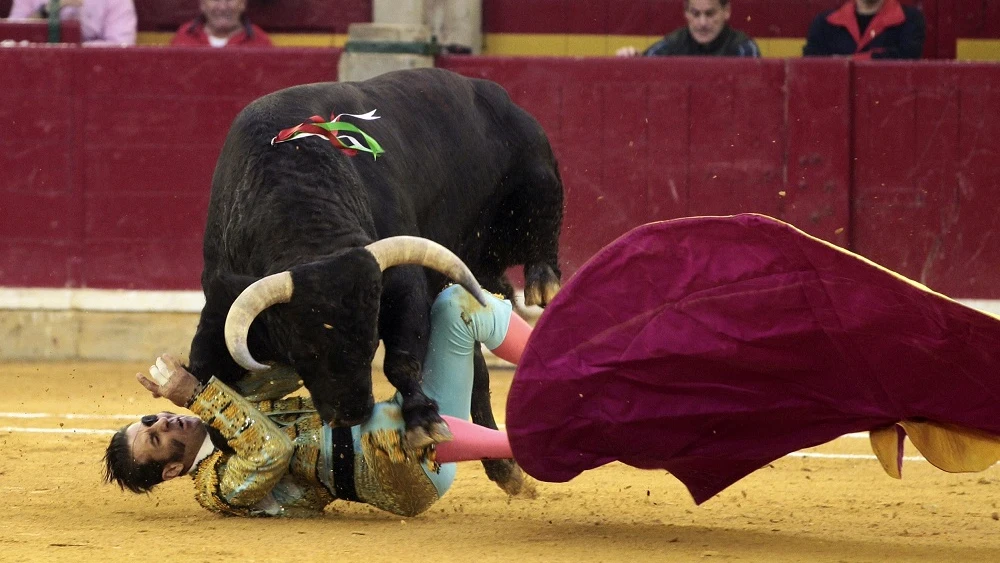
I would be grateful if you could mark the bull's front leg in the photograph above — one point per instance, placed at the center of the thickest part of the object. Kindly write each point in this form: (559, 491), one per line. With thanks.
(404, 326)
(424, 425)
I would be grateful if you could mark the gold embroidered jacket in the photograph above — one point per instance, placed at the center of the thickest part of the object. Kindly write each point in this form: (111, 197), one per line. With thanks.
(282, 463)
(275, 468)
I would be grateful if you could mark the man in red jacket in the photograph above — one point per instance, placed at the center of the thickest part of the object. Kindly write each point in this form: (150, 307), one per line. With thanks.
(868, 29)
(222, 23)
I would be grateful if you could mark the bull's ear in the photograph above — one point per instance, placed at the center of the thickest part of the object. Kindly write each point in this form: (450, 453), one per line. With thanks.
(225, 288)
(337, 276)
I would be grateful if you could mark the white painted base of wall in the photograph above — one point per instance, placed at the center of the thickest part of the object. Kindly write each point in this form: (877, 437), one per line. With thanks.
(126, 325)
(41, 324)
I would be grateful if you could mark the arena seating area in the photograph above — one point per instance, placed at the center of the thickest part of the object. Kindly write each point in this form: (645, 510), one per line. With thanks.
(279, 16)
(966, 29)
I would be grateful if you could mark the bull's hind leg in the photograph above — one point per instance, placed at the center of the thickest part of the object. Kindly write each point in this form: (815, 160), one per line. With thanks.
(504, 472)
(531, 221)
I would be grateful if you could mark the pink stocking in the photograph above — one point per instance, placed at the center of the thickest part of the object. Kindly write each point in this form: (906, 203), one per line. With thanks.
(518, 331)
(472, 442)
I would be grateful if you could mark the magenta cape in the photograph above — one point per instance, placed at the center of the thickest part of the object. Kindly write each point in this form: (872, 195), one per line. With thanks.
(712, 346)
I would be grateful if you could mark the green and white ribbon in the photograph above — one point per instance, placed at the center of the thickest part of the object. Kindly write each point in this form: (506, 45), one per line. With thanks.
(345, 136)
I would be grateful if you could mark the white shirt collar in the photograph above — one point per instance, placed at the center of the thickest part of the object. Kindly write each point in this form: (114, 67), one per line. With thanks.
(207, 447)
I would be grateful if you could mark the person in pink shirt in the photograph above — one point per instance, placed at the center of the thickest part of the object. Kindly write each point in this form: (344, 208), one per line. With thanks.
(102, 22)
(222, 23)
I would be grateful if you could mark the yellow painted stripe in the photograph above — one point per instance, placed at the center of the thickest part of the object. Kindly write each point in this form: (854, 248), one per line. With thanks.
(521, 44)
(781, 47)
(153, 37)
(279, 39)
(978, 50)
(560, 45)
(582, 45)
(308, 39)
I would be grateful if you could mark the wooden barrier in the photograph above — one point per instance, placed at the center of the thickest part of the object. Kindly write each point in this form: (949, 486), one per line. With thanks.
(37, 31)
(927, 172)
(108, 155)
(648, 139)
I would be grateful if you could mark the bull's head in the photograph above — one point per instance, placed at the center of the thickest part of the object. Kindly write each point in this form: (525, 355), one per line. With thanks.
(330, 328)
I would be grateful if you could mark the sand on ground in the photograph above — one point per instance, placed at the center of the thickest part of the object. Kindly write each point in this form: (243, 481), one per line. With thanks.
(832, 505)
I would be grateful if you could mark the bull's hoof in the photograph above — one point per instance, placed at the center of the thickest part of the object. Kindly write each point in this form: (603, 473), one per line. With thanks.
(510, 477)
(420, 444)
(421, 438)
(540, 284)
(424, 427)
(520, 486)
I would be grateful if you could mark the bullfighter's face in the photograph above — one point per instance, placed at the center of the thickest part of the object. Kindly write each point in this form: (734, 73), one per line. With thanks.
(167, 437)
(706, 19)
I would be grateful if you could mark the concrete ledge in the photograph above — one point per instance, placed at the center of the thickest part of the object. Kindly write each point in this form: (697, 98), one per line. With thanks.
(355, 67)
(30, 336)
(389, 32)
(114, 325)
(93, 335)
(41, 324)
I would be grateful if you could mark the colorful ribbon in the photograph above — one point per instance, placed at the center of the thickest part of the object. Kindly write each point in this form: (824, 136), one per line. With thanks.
(333, 131)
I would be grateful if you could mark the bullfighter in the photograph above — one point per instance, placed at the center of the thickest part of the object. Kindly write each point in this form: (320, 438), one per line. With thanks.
(739, 340)
(252, 453)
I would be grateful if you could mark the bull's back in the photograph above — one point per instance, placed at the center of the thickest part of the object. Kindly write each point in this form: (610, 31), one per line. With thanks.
(448, 140)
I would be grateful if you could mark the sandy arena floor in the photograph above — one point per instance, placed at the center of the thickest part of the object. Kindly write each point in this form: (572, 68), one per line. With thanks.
(836, 506)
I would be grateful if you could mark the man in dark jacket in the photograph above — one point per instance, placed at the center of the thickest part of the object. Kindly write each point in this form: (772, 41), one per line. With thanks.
(707, 33)
(868, 29)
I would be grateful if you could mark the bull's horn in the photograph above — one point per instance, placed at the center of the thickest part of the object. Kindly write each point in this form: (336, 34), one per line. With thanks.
(395, 251)
(261, 294)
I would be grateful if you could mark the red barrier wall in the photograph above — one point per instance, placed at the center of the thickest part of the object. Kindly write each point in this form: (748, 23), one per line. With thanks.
(105, 173)
(641, 140)
(927, 172)
(107, 157)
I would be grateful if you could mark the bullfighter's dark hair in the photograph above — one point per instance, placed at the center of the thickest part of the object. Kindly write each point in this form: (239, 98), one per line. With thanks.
(121, 468)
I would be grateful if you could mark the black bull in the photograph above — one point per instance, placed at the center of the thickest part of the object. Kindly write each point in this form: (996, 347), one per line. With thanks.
(463, 166)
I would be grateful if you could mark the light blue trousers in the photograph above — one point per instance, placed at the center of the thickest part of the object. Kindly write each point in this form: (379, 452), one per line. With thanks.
(458, 321)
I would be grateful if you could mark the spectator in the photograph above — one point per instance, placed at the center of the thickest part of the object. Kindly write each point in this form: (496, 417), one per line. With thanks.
(868, 29)
(222, 23)
(102, 22)
(707, 33)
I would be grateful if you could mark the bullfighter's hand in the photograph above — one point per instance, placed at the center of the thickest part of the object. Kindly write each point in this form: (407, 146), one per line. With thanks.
(170, 380)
